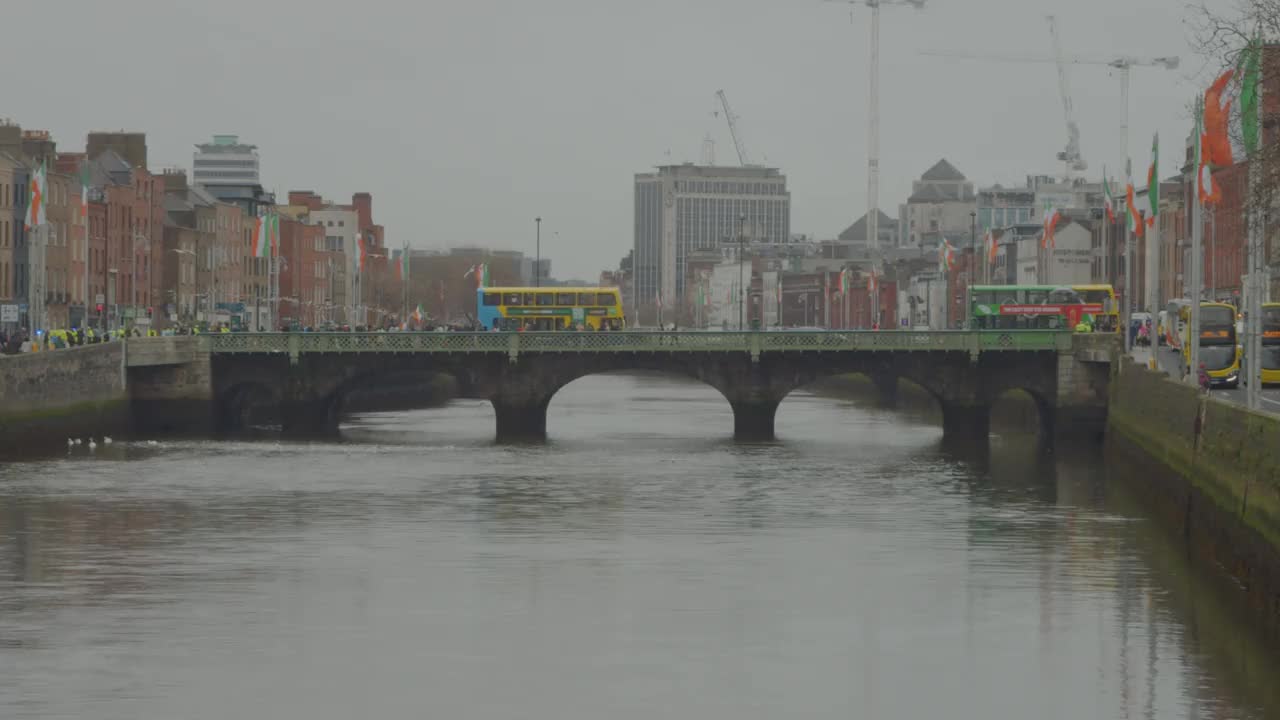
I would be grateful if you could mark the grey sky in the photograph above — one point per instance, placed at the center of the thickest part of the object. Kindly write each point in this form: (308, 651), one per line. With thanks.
(467, 118)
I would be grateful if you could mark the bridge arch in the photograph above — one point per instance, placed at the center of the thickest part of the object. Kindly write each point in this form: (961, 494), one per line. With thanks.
(1009, 409)
(247, 403)
(521, 408)
(632, 389)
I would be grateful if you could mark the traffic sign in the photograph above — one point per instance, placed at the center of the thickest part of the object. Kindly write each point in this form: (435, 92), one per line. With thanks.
(8, 313)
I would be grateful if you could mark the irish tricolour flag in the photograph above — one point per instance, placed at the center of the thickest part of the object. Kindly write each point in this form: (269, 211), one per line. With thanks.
(266, 234)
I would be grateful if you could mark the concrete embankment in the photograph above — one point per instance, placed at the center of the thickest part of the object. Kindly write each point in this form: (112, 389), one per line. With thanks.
(50, 396)
(1210, 468)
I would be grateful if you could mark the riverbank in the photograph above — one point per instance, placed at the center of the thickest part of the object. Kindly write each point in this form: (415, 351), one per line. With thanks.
(48, 397)
(1210, 469)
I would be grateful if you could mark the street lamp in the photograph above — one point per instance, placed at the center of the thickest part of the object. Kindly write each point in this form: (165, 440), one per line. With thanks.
(742, 254)
(133, 282)
(179, 300)
(537, 254)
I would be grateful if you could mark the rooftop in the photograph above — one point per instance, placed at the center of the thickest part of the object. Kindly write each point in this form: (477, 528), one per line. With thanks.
(943, 171)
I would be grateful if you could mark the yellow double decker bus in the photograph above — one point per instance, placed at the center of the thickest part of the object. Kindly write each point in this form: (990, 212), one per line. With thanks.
(1270, 346)
(1218, 349)
(1109, 319)
(548, 309)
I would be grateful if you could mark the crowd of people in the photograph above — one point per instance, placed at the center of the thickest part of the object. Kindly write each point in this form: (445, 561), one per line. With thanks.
(25, 341)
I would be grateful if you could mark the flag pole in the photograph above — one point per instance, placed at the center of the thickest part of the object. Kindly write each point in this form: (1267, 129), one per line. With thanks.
(1197, 257)
(1130, 221)
(1152, 289)
(1257, 231)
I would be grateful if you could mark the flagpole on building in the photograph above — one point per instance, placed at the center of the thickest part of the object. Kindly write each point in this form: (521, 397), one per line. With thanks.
(1197, 257)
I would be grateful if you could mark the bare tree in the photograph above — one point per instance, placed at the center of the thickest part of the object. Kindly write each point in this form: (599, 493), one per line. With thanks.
(1222, 37)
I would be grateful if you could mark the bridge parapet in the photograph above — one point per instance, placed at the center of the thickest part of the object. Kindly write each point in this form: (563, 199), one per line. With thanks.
(754, 343)
(1096, 347)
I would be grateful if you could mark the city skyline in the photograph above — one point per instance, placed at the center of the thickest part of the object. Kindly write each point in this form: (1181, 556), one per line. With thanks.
(547, 120)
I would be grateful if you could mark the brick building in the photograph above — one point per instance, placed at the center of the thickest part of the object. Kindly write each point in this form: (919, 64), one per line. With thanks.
(304, 272)
(13, 192)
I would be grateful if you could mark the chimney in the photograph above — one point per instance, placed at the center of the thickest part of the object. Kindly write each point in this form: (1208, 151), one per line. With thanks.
(363, 204)
(132, 146)
(175, 180)
(305, 198)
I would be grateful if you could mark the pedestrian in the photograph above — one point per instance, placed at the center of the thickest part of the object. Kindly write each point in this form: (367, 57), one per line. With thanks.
(1203, 377)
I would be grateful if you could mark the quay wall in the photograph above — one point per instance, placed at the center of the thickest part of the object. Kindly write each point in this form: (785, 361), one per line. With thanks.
(49, 396)
(1212, 470)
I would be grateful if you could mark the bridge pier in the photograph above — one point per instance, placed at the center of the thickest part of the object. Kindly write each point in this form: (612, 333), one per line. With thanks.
(886, 390)
(753, 420)
(521, 422)
(307, 417)
(966, 426)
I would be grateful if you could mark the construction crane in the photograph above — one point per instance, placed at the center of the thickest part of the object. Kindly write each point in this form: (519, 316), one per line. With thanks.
(1071, 154)
(873, 124)
(1122, 63)
(733, 129)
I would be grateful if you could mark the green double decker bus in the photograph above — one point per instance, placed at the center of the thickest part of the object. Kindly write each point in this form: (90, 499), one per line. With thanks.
(1029, 307)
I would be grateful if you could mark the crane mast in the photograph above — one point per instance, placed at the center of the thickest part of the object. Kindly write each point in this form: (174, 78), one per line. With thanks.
(733, 129)
(1071, 155)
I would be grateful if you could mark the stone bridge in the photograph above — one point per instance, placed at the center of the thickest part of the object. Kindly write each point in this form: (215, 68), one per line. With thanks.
(211, 382)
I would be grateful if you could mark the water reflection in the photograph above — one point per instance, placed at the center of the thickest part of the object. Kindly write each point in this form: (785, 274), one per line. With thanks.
(640, 561)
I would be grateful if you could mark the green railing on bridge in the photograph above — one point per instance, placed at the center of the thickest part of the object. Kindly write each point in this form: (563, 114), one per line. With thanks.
(512, 343)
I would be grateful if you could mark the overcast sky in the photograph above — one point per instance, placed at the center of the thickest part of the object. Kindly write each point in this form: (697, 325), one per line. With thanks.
(467, 118)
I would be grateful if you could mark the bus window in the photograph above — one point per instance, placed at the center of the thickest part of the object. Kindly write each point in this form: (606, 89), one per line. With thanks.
(512, 300)
(530, 299)
(491, 299)
(565, 298)
(607, 299)
(546, 299)
(586, 299)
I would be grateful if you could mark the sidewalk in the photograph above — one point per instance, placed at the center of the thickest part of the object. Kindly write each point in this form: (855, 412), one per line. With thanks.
(1144, 356)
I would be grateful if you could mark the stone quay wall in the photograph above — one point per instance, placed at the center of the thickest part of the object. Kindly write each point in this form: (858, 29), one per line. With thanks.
(1214, 472)
(48, 397)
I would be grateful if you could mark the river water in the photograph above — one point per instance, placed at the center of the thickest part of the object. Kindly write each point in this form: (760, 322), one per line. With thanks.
(639, 564)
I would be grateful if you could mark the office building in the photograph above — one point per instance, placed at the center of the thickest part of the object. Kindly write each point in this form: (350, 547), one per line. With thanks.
(683, 208)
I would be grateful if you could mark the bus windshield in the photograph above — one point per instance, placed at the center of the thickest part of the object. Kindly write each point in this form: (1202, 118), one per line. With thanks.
(1217, 357)
(1271, 324)
(1100, 297)
(1217, 316)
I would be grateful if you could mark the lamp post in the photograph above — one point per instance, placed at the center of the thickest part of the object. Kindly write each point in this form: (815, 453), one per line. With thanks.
(973, 235)
(178, 297)
(742, 254)
(133, 282)
(537, 253)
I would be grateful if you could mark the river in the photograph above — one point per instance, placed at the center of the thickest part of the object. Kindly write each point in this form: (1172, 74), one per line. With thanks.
(640, 564)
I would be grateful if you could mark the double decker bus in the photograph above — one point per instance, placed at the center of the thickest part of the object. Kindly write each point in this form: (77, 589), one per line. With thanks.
(1108, 319)
(1027, 307)
(1218, 349)
(547, 309)
(1270, 350)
